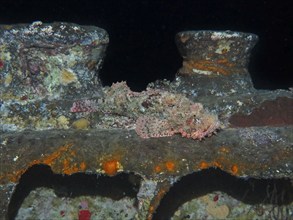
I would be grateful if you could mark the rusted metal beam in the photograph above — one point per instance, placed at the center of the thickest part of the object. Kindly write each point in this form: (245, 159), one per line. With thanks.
(47, 118)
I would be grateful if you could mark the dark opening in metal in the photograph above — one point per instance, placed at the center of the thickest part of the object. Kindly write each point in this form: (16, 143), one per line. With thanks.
(251, 191)
(117, 187)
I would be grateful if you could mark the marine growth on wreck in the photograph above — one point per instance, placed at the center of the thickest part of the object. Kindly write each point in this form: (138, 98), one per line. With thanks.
(209, 125)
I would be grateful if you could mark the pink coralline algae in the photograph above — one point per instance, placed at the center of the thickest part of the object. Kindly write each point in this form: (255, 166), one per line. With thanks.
(86, 105)
(156, 112)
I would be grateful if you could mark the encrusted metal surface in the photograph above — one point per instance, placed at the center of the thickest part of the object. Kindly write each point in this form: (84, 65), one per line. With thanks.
(222, 52)
(235, 150)
(50, 60)
(242, 131)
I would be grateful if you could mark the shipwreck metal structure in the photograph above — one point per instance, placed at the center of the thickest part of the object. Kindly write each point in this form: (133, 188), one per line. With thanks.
(55, 112)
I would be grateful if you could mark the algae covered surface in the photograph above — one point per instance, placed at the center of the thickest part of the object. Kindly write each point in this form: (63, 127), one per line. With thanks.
(56, 112)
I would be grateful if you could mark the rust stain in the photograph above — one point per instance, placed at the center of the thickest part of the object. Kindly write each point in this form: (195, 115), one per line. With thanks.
(12, 177)
(217, 164)
(220, 66)
(225, 62)
(111, 163)
(111, 167)
(61, 159)
(278, 112)
(82, 166)
(69, 168)
(151, 209)
(203, 165)
(224, 149)
(157, 199)
(170, 166)
(167, 166)
(51, 158)
(234, 169)
(158, 169)
(227, 165)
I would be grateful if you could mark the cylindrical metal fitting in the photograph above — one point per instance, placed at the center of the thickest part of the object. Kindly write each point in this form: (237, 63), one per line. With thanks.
(215, 52)
(55, 61)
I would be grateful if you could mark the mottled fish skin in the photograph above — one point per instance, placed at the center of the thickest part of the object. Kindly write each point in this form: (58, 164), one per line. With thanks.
(157, 113)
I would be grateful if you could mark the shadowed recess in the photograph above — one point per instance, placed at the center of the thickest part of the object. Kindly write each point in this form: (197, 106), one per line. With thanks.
(251, 191)
(117, 187)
